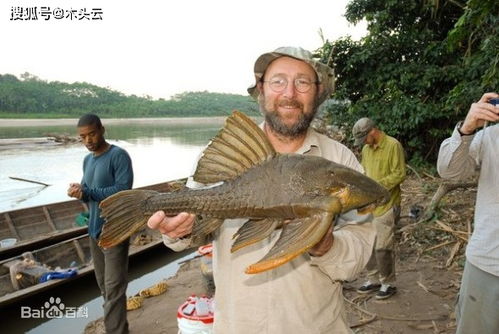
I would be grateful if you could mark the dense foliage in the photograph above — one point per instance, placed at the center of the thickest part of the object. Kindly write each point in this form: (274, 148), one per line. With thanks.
(421, 65)
(30, 96)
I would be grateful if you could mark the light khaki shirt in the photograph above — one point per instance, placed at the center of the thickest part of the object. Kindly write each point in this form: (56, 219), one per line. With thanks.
(301, 296)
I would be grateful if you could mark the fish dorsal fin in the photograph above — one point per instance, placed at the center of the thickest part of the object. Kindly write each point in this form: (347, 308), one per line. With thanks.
(238, 146)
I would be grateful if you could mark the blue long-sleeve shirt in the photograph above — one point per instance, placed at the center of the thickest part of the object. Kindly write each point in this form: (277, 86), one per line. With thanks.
(103, 176)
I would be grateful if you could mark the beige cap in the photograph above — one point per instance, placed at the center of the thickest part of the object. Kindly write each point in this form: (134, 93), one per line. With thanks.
(325, 74)
(361, 129)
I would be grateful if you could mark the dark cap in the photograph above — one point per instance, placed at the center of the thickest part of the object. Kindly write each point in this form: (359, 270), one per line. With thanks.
(361, 129)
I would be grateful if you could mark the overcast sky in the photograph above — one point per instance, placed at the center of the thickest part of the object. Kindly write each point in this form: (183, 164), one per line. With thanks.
(163, 47)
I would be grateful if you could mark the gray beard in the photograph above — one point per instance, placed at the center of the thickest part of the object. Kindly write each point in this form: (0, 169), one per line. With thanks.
(298, 129)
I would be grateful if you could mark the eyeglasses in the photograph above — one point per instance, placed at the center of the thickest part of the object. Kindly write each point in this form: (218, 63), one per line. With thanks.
(278, 84)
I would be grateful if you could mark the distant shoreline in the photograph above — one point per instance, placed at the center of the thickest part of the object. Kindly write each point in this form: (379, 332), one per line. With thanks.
(19, 122)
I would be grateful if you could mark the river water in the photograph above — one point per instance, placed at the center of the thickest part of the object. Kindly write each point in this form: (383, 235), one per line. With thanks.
(160, 151)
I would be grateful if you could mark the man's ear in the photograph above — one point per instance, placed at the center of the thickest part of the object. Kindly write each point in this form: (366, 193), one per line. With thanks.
(103, 130)
(259, 86)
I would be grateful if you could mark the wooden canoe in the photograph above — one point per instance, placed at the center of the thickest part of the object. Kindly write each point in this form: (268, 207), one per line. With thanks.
(71, 253)
(44, 225)
(50, 234)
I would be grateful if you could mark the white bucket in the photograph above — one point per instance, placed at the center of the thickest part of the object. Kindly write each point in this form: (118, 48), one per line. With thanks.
(186, 326)
(190, 321)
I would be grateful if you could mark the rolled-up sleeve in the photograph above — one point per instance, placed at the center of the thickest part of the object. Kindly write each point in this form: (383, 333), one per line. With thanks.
(457, 159)
(351, 250)
(177, 244)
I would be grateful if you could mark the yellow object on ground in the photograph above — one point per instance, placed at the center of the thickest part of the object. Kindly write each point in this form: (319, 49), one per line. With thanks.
(154, 290)
(134, 302)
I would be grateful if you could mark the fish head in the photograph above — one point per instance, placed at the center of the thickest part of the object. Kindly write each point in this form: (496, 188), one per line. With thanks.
(353, 189)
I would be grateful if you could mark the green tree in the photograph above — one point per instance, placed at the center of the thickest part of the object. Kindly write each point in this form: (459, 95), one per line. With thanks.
(33, 97)
(415, 72)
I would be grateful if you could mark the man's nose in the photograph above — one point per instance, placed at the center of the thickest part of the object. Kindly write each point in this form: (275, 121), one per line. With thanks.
(290, 90)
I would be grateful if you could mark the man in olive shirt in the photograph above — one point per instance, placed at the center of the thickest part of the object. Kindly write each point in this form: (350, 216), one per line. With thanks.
(383, 160)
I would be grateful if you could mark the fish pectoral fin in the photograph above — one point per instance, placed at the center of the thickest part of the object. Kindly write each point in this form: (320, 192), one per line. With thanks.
(297, 236)
(253, 231)
(238, 146)
(203, 227)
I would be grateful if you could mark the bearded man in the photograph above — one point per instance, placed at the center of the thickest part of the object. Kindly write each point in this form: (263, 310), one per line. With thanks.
(305, 294)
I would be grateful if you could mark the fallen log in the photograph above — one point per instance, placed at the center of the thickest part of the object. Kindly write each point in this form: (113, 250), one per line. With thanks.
(444, 188)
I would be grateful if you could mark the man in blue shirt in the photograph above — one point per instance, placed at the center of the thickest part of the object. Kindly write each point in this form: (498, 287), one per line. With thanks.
(106, 171)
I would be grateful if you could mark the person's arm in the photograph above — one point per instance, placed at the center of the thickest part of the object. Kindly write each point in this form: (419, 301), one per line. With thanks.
(75, 189)
(123, 179)
(175, 230)
(455, 160)
(397, 170)
(350, 251)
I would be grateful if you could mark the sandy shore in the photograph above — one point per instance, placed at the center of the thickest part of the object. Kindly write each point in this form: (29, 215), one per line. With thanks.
(19, 122)
(158, 315)
(403, 313)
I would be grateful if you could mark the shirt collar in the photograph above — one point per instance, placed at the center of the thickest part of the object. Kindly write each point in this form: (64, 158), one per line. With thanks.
(382, 141)
(310, 143)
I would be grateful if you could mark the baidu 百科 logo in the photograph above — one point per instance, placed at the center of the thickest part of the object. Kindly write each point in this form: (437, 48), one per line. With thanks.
(54, 308)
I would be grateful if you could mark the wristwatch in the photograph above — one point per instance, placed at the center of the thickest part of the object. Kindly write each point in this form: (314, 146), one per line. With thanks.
(458, 127)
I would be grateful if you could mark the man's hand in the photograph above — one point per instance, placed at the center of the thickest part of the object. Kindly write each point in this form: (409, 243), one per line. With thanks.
(480, 112)
(174, 227)
(75, 191)
(324, 245)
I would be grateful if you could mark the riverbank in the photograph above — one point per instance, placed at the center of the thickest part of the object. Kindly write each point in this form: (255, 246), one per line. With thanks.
(16, 122)
(158, 315)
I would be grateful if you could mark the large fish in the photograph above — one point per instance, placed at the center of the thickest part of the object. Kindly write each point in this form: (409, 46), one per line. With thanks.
(303, 194)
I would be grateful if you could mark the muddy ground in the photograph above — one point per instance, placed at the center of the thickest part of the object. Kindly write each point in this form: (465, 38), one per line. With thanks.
(429, 268)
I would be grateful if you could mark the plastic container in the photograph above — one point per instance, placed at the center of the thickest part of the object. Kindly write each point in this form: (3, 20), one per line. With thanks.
(9, 242)
(195, 316)
(206, 250)
(206, 260)
(206, 266)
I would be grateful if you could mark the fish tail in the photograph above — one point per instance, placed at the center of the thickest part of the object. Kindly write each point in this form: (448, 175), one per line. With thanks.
(124, 215)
